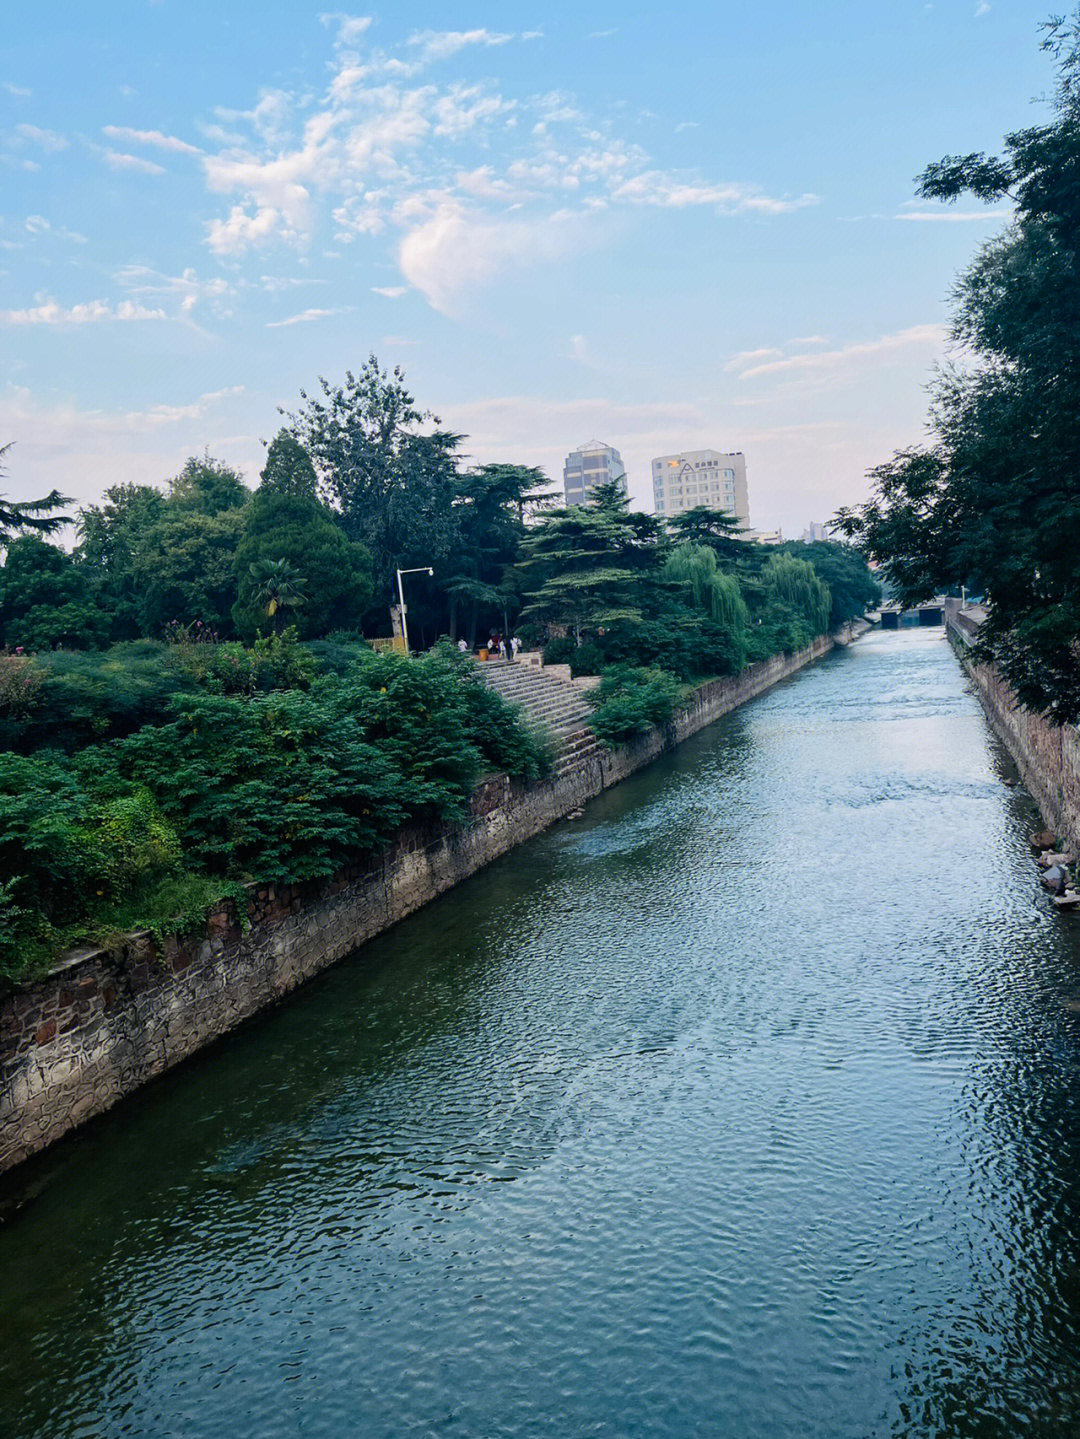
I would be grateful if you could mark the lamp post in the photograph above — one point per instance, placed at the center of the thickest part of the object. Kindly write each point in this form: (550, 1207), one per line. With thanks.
(420, 570)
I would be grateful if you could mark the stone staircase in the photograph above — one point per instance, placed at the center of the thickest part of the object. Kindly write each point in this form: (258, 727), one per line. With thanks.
(550, 704)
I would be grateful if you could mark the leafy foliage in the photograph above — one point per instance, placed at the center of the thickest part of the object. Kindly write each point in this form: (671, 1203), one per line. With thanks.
(630, 701)
(328, 579)
(994, 499)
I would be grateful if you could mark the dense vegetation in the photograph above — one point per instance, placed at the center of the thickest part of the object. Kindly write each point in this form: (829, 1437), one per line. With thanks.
(993, 501)
(188, 702)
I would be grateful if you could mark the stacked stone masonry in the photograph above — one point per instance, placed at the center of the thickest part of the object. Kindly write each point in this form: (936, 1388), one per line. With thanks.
(108, 1021)
(1047, 755)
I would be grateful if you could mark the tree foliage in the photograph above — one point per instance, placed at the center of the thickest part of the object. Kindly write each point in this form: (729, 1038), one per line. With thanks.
(994, 499)
(332, 576)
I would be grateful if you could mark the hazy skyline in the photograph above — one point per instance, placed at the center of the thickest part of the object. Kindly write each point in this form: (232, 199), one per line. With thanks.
(668, 231)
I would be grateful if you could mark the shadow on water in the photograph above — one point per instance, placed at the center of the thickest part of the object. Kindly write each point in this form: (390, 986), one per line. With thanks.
(749, 1104)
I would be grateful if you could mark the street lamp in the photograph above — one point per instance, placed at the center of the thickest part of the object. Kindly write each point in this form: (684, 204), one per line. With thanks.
(420, 570)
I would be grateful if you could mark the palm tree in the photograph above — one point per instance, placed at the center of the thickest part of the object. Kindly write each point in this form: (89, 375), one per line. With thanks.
(31, 514)
(277, 588)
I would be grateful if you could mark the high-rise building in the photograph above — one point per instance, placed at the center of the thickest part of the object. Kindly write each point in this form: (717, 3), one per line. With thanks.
(700, 477)
(815, 533)
(588, 466)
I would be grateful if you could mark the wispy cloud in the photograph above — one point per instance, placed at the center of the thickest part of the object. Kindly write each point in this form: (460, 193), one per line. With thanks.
(50, 312)
(304, 317)
(186, 288)
(17, 92)
(38, 225)
(149, 137)
(47, 140)
(117, 160)
(952, 217)
(392, 292)
(656, 188)
(441, 44)
(883, 349)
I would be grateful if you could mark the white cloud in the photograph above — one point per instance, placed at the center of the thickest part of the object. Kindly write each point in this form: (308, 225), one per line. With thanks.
(653, 187)
(149, 137)
(241, 231)
(38, 225)
(465, 107)
(119, 161)
(47, 140)
(186, 288)
(392, 292)
(456, 250)
(17, 92)
(349, 27)
(50, 312)
(441, 44)
(884, 349)
(953, 216)
(304, 317)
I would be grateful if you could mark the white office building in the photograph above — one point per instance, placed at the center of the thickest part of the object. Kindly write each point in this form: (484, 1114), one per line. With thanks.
(588, 466)
(700, 477)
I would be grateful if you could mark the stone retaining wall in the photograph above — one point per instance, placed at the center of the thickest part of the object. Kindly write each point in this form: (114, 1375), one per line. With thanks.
(107, 1021)
(1047, 755)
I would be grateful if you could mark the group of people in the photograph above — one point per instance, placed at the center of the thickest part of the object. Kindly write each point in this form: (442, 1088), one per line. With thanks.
(506, 649)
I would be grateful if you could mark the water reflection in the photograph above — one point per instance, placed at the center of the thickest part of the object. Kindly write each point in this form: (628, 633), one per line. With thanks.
(745, 1106)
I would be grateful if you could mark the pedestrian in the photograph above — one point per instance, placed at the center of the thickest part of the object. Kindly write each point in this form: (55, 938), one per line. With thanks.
(515, 645)
(463, 647)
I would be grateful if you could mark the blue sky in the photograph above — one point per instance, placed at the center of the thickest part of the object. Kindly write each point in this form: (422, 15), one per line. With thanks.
(666, 227)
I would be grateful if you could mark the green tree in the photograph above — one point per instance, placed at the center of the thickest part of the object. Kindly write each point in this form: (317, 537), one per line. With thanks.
(994, 498)
(335, 576)
(275, 589)
(38, 516)
(393, 485)
(490, 508)
(589, 567)
(110, 536)
(207, 487)
(288, 469)
(45, 599)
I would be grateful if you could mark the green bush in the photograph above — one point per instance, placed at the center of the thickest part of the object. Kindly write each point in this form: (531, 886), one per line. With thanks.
(87, 697)
(586, 659)
(631, 701)
(559, 651)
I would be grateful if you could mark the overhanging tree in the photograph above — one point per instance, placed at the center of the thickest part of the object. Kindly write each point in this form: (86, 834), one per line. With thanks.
(994, 499)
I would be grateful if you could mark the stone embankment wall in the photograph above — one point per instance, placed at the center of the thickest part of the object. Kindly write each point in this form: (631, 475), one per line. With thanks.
(105, 1022)
(1047, 755)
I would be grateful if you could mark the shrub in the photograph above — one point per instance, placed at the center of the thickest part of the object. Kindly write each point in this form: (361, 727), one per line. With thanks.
(558, 651)
(586, 659)
(630, 701)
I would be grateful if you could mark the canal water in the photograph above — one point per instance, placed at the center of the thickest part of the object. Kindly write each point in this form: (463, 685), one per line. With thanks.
(747, 1106)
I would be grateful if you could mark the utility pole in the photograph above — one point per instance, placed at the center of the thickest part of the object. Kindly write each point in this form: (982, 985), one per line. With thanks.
(420, 570)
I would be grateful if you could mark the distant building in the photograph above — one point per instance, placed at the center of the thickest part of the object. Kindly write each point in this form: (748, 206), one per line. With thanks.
(700, 477)
(588, 466)
(814, 534)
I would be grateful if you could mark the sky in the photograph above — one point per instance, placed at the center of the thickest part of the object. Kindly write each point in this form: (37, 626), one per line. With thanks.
(672, 227)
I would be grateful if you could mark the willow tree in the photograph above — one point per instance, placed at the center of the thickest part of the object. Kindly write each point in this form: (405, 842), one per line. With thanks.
(718, 594)
(795, 584)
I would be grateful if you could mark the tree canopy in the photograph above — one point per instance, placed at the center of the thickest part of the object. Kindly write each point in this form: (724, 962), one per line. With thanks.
(993, 500)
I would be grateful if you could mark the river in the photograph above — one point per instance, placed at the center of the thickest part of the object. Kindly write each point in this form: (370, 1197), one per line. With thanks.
(746, 1106)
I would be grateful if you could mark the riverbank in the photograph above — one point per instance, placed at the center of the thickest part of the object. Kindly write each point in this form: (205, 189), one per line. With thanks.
(1047, 755)
(105, 1022)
